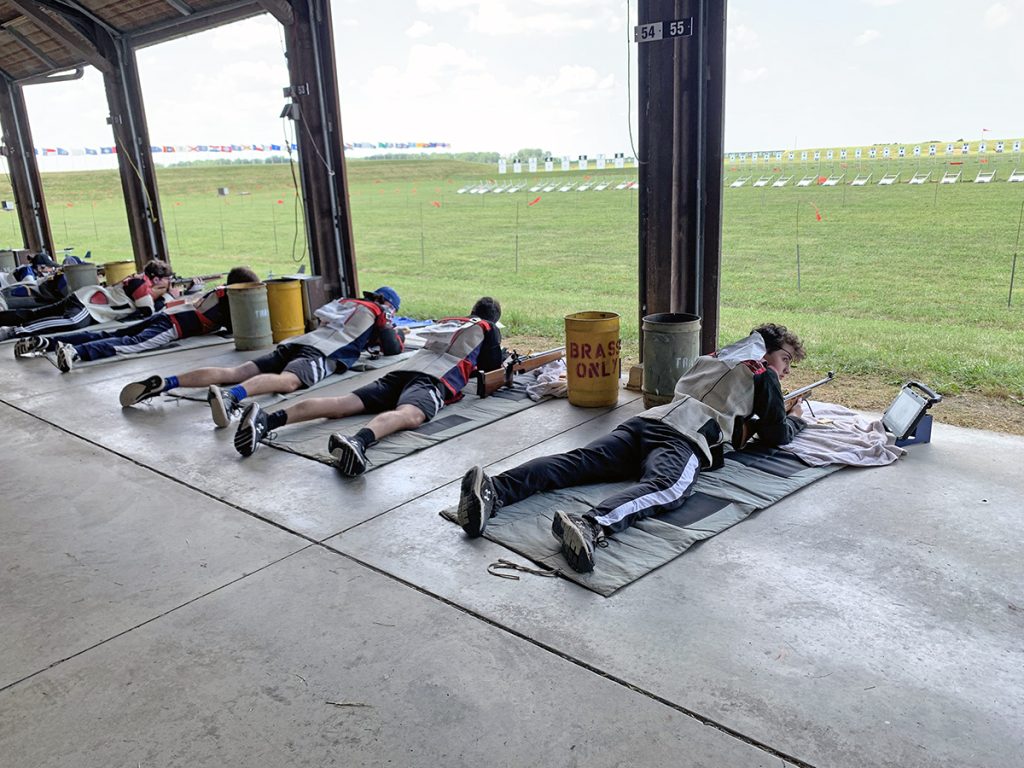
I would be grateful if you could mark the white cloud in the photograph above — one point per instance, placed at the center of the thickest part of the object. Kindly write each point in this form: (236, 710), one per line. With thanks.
(867, 36)
(498, 18)
(419, 29)
(997, 16)
(444, 6)
(750, 75)
(741, 36)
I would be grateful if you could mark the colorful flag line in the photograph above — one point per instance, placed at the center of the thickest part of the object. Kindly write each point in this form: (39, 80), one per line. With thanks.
(228, 148)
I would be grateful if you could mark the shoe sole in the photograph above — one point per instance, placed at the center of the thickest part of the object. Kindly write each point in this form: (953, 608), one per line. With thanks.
(346, 459)
(135, 393)
(574, 546)
(22, 348)
(64, 360)
(217, 409)
(245, 438)
(471, 505)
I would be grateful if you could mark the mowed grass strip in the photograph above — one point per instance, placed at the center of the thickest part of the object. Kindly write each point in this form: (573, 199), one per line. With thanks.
(895, 282)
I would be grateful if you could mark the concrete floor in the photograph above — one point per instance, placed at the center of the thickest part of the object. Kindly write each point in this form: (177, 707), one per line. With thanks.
(166, 603)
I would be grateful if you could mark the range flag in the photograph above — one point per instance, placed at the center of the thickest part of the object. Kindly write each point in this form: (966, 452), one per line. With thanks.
(956, 162)
(533, 202)
(436, 203)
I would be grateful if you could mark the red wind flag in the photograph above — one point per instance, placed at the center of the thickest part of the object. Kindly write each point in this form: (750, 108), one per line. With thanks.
(956, 162)
(534, 201)
(435, 203)
(984, 160)
(817, 213)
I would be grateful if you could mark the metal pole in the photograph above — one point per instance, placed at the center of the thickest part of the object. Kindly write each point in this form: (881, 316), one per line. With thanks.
(1016, 248)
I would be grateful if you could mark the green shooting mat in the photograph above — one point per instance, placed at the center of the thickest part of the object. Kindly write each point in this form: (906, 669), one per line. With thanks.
(750, 481)
(309, 439)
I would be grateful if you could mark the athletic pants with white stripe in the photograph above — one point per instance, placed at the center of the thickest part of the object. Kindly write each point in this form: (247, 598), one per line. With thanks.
(654, 455)
(152, 333)
(64, 315)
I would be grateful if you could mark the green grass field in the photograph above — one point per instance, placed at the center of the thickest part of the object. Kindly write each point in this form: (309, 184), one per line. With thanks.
(895, 282)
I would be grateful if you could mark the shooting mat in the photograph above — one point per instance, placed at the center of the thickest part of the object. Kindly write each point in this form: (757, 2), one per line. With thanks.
(309, 439)
(750, 481)
(364, 364)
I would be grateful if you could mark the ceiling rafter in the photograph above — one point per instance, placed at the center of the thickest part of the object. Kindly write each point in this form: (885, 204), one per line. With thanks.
(29, 46)
(65, 33)
(279, 9)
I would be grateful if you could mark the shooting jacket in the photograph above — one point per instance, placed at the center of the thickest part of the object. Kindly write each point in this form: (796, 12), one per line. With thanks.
(347, 327)
(720, 393)
(132, 296)
(451, 350)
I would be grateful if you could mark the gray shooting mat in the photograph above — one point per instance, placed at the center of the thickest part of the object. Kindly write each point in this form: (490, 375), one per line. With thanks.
(750, 481)
(95, 327)
(192, 342)
(362, 365)
(310, 438)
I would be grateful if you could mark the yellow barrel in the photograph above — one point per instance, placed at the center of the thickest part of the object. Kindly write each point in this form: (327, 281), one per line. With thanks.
(285, 299)
(592, 347)
(250, 315)
(80, 276)
(116, 271)
(671, 346)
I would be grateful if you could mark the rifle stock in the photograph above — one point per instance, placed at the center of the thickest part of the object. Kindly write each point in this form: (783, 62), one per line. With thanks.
(489, 382)
(790, 400)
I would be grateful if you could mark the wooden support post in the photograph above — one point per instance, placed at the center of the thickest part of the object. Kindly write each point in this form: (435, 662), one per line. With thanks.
(24, 171)
(317, 119)
(681, 108)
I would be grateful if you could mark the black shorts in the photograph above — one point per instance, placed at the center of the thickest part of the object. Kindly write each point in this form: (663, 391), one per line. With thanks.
(403, 388)
(307, 363)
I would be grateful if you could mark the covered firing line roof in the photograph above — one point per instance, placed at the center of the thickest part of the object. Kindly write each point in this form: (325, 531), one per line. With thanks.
(45, 37)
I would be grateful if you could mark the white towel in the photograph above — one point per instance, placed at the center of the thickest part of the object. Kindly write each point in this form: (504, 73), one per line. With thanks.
(845, 437)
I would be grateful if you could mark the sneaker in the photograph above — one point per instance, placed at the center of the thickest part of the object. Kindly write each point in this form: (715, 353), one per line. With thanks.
(349, 457)
(137, 391)
(477, 502)
(579, 535)
(223, 406)
(29, 346)
(66, 356)
(252, 428)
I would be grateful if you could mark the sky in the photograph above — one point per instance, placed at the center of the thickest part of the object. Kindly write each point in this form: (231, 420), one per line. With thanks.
(503, 75)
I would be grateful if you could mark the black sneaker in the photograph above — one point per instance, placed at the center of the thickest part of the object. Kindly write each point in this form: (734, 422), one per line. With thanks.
(29, 346)
(476, 504)
(252, 428)
(137, 391)
(223, 405)
(66, 357)
(349, 457)
(579, 536)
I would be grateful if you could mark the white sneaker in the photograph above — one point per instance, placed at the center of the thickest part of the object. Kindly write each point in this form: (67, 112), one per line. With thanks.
(66, 357)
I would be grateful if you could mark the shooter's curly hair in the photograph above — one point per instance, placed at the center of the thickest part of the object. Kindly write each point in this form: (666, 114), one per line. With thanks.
(776, 335)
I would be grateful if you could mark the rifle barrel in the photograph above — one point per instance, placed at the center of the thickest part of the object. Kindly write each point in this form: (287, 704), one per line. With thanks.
(809, 387)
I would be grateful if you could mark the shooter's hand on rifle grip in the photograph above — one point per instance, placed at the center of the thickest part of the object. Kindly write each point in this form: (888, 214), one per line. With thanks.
(793, 407)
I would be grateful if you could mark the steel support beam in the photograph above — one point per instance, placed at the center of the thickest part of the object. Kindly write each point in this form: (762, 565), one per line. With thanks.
(317, 119)
(681, 117)
(24, 171)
